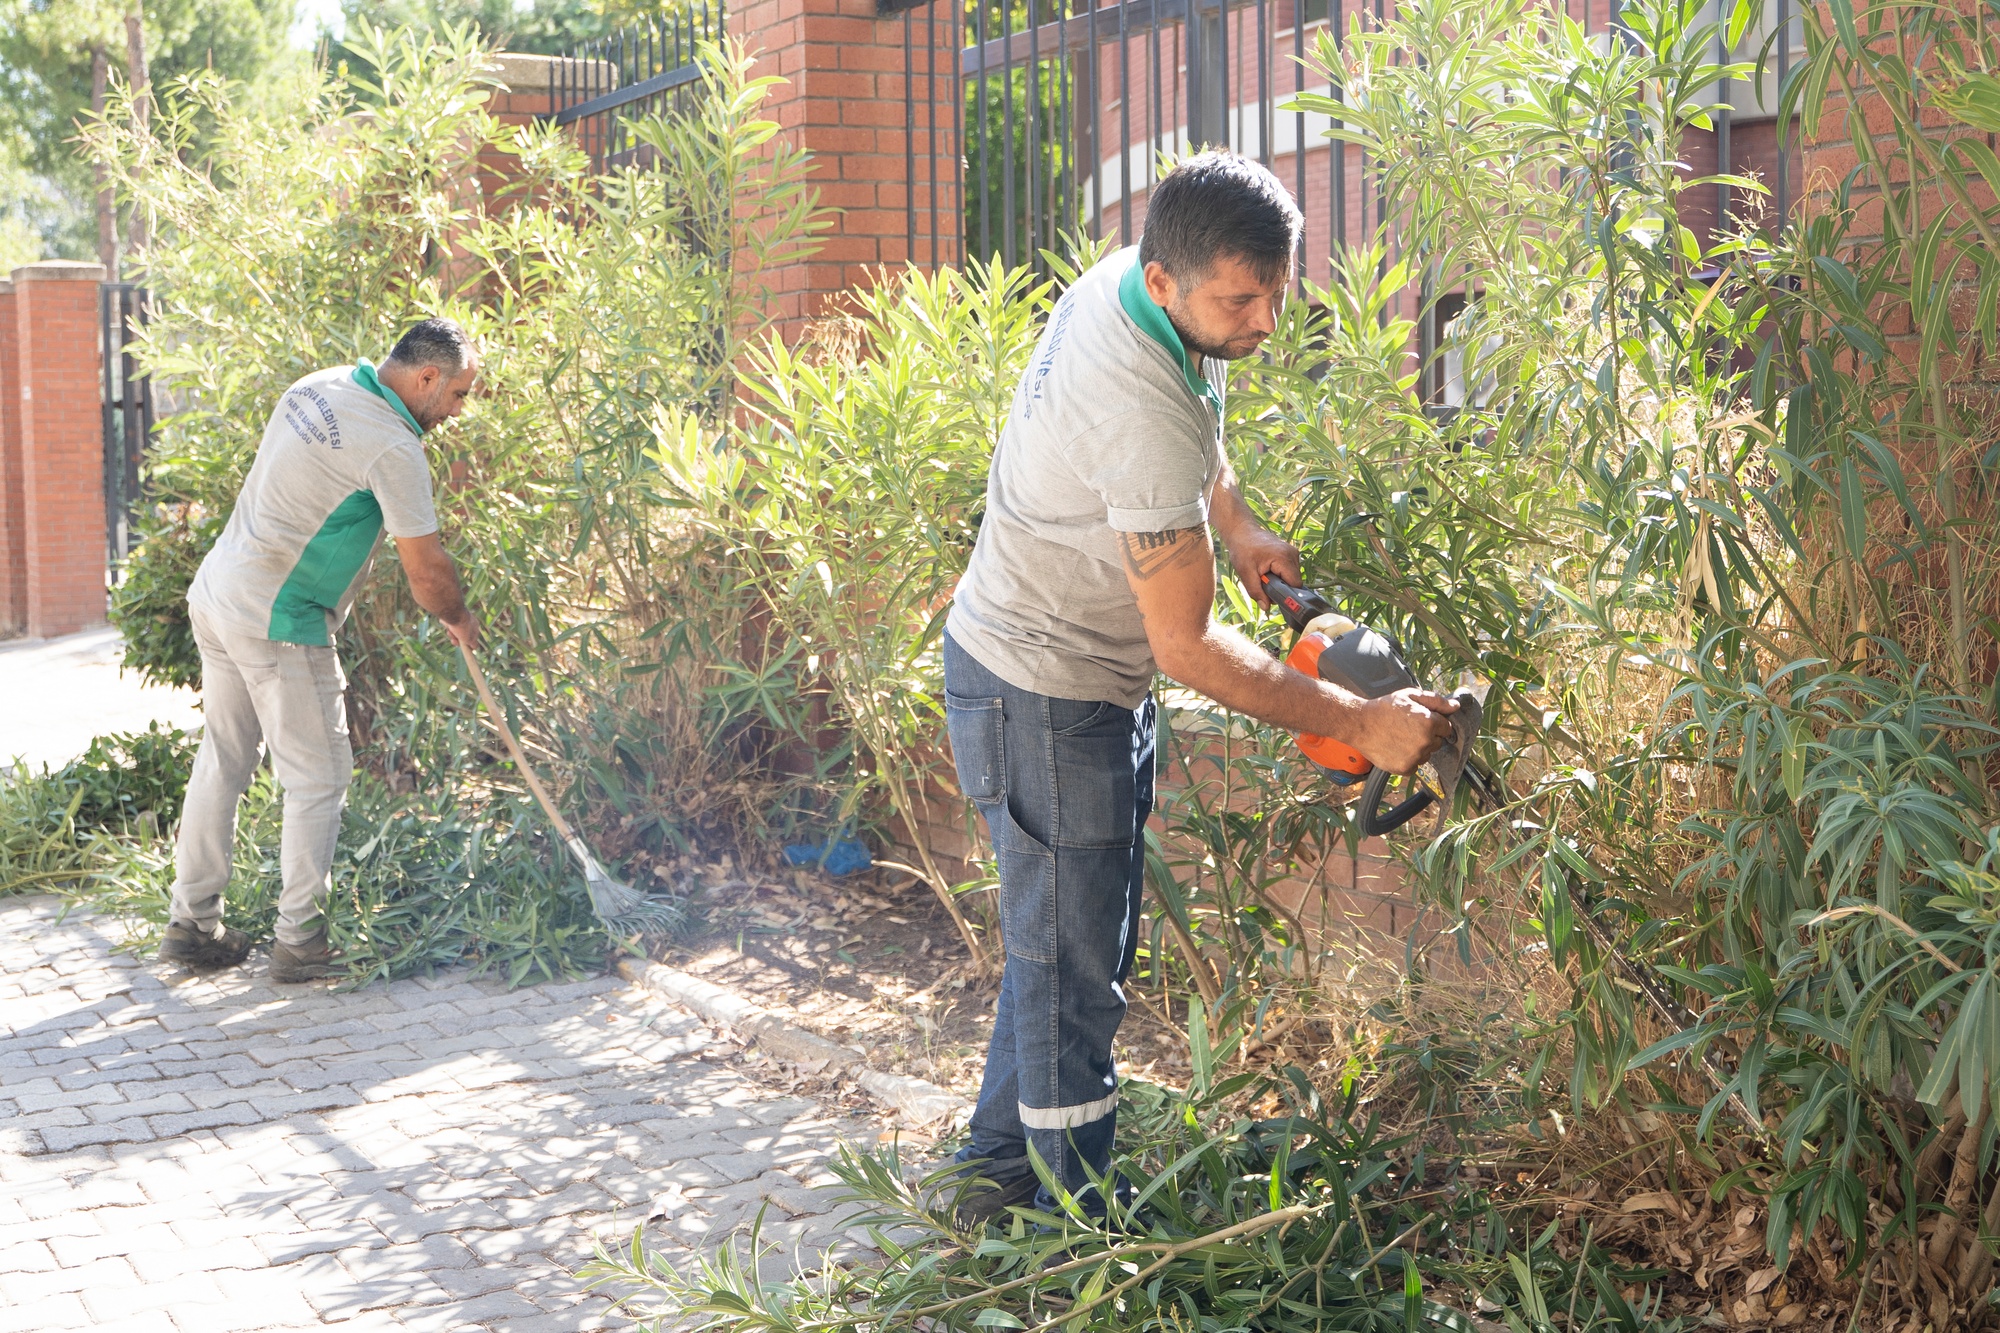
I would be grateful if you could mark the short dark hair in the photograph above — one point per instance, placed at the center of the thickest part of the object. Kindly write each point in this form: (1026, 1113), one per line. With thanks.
(1219, 204)
(434, 342)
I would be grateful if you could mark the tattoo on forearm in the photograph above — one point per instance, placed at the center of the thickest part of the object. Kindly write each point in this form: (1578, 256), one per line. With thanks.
(1151, 553)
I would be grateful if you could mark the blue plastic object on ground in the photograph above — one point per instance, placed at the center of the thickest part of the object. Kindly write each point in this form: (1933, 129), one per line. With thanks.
(836, 856)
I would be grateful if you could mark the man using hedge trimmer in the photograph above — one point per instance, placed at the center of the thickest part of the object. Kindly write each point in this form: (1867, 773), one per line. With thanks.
(1094, 569)
(341, 461)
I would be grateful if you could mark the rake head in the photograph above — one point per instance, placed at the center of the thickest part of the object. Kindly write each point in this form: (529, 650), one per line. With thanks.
(618, 905)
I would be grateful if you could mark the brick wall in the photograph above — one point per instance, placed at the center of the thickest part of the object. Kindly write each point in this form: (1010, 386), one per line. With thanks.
(1341, 901)
(13, 513)
(1920, 572)
(848, 72)
(56, 396)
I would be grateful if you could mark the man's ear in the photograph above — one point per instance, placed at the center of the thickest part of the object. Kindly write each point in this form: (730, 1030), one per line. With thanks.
(1160, 285)
(428, 377)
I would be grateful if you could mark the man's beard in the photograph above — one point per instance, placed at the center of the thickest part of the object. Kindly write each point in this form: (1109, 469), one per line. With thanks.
(427, 414)
(1198, 345)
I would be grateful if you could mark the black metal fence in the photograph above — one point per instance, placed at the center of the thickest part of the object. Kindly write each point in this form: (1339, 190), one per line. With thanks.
(933, 115)
(123, 309)
(1069, 105)
(644, 70)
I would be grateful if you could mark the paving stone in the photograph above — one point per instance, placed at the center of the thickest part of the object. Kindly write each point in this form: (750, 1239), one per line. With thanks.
(152, 1321)
(54, 1312)
(166, 1264)
(164, 1126)
(28, 1256)
(62, 1138)
(162, 1104)
(215, 1154)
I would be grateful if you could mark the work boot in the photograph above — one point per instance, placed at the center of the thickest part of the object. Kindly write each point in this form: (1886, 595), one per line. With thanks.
(311, 961)
(201, 950)
(976, 1201)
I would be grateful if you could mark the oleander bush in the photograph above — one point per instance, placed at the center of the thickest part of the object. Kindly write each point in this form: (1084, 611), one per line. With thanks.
(306, 227)
(1699, 1023)
(1718, 542)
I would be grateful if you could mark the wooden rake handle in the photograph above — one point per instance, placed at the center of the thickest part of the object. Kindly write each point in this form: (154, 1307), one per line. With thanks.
(499, 721)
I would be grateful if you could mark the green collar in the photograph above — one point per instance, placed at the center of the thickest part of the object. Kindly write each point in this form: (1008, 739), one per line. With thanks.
(1153, 322)
(365, 376)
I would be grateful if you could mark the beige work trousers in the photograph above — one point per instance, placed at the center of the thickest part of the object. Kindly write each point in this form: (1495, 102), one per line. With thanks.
(288, 698)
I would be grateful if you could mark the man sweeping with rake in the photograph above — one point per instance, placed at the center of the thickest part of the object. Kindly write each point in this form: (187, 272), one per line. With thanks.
(340, 463)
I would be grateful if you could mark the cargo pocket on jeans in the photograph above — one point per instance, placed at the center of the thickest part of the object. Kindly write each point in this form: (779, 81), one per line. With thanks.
(978, 747)
(1027, 866)
(1027, 888)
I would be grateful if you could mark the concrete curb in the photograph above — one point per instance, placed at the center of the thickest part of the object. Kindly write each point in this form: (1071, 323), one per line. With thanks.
(921, 1101)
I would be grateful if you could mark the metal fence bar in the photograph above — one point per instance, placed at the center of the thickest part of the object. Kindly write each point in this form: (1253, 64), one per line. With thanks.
(1064, 204)
(1337, 162)
(1094, 68)
(123, 309)
(930, 87)
(1722, 145)
(1007, 139)
(1264, 82)
(909, 139)
(652, 67)
(1124, 131)
(1784, 134)
(985, 168)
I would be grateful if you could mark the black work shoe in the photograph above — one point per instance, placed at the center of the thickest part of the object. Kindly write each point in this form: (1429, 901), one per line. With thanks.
(201, 950)
(311, 961)
(980, 1200)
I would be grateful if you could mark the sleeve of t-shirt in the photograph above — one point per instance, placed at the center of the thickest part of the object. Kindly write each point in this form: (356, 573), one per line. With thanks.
(401, 481)
(1150, 470)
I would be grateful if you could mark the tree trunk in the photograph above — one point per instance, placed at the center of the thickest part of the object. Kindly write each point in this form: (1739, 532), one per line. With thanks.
(107, 217)
(137, 77)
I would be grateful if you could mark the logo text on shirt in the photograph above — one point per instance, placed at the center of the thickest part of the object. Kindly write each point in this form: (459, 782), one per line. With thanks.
(311, 417)
(1058, 327)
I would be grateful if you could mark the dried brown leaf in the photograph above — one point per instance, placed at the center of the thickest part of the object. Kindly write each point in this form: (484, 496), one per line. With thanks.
(1658, 1201)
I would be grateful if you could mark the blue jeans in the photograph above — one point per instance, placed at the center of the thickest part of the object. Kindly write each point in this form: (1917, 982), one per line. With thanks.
(1065, 787)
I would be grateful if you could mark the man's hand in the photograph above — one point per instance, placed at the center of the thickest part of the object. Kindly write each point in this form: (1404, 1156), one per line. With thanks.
(434, 583)
(1399, 731)
(1258, 551)
(465, 633)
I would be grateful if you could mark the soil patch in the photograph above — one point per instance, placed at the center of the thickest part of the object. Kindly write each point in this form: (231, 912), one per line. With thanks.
(872, 961)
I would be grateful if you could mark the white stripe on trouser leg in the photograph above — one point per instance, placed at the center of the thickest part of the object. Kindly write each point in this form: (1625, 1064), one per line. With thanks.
(1068, 1117)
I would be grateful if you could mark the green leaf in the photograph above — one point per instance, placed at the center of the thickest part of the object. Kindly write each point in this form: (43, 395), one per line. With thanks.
(1843, 24)
(1794, 764)
(995, 1317)
(1975, 101)
(1199, 1052)
(1532, 1302)
(1853, 511)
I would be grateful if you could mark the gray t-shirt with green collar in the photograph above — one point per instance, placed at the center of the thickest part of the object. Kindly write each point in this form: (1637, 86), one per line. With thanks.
(341, 461)
(1115, 428)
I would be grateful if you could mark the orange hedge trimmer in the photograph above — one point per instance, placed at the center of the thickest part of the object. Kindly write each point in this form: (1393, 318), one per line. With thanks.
(1335, 649)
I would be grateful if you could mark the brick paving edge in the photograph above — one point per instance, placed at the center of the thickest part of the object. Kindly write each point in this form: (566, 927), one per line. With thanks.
(923, 1102)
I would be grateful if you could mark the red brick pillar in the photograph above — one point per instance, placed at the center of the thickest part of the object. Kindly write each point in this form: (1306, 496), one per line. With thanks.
(59, 401)
(866, 93)
(13, 507)
(523, 95)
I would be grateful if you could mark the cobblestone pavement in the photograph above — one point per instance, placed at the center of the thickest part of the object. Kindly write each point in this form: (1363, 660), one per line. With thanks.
(200, 1155)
